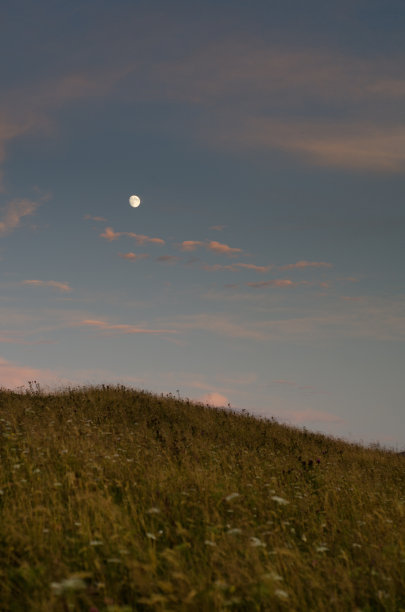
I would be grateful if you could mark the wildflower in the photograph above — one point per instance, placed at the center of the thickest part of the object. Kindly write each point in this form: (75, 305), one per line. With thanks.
(234, 531)
(256, 542)
(114, 560)
(232, 496)
(57, 484)
(281, 594)
(153, 511)
(96, 543)
(209, 543)
(151, 536)
(69, 584)
(322, 548)
(280, 500)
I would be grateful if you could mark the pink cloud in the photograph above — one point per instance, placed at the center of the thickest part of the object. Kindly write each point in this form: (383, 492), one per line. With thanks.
(13, 375)
(14, 212)
(190, 245)
(63, 287)
(214, 399)
(223, 249)
(133, 256)
(255, 268)
(306, 264)
(308, 415)
(278, 282)
(218, 228)
(109, 234)
(123, 328)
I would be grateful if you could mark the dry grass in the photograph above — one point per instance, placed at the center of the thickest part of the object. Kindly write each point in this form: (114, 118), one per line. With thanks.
(114, 499)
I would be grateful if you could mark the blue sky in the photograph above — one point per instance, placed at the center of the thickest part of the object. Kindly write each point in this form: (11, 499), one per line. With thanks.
(264, 267)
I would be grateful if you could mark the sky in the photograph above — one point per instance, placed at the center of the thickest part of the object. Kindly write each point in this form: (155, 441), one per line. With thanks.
(264, 268)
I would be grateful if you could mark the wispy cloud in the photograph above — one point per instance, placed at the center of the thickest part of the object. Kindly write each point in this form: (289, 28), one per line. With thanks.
(306, 264)
(13, 375)
(356, 146)
(102, 219)
(133, 256)
(62, 287)
(110, 235)
(14, 212)
(104, 326)
(210, 245)
(276, 282)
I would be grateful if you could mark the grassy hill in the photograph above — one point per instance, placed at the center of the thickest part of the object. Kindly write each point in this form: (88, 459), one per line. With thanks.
(115, 499)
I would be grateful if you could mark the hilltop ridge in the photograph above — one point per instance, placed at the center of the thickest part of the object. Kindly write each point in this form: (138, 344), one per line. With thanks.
(118, 499)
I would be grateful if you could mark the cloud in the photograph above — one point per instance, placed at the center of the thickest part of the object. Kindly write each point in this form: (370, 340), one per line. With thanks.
(122, 328)
(211, 245)
(277, 282)
(355, 146)
(306, 264)
(223, 249)
(94, 218)
(13, 375)
(109, 234)
(133, 256)
(254, 267)
(214, 399)
(14, 212)
(218, 228)
(62, 287)
(190, 245)
(309, 415)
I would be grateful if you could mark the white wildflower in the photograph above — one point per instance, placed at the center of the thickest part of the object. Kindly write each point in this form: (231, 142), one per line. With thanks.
(256, 542)
(281, 594)
(209, 543)
(322, 548)
(232, 496)
(280, 500)
(151, 536)
(234, 531)
(96, 543)
(153, 511)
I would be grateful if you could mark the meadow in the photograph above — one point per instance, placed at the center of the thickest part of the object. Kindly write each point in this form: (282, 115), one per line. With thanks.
(113, 499)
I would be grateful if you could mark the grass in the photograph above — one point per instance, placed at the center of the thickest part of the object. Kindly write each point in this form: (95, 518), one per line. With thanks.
(117, 500)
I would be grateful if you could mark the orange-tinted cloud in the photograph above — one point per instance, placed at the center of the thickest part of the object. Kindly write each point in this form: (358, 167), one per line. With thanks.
(223, 249)
(13, 375)
(306, 264)
(190, 245)
(357, 146)
(109, 234)
(277, 282)
(123, 328)
(214, 399)
(14, 212)
(63, 287)
(133, 256)
(211, 245)
(254, 267)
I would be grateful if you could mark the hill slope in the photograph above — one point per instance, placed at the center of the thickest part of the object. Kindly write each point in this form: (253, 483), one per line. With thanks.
(114, 499)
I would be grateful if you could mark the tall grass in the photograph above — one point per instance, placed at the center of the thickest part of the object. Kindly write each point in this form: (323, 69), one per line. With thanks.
(115, 499)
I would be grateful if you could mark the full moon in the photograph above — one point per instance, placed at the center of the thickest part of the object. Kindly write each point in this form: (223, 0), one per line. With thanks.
(134, 201)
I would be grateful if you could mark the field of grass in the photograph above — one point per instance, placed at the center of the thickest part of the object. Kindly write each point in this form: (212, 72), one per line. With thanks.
(116, 500)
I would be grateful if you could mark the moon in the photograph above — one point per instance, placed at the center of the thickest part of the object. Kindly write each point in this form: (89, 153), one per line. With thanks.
(134, 201)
